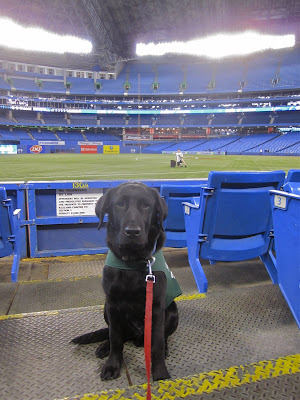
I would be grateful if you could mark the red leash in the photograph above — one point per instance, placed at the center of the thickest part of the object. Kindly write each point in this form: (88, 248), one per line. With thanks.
(150, 279)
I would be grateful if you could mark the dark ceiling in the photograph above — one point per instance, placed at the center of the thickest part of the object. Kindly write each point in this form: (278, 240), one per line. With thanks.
(114, 26)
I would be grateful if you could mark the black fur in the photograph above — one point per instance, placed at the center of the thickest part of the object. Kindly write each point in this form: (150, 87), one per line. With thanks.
(135, 228)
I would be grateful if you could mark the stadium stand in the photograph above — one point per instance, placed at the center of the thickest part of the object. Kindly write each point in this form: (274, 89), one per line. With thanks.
(244, 143)
(70, 136)
(282, 144)
(238, 84)
(43, 135)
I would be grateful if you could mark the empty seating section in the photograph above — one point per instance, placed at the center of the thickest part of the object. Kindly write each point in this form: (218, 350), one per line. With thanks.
(81, 85)
(21, 134)
(198, 77)
(214, 144)
(289, 71)
(4, 134)
(4, 84)
(196, 119)
(54, 119)
(287, 118)
(26, 117)
(170, 77)
(112, 120)
(282, 144)
(4, 118)
(225, 119)
(258, 73)
(186, 146)
(83, 120)
(259, 118)
(51, 86)
(101, 137)
(168, 121)
(70, 136)
(294, 149)
(245, 143)
(43, 135)
(261, 70)
(24, 84)
(228, 76)
(159, 147)
(141, 78)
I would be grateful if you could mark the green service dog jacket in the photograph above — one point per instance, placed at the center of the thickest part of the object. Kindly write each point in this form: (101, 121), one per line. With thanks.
(173, 288)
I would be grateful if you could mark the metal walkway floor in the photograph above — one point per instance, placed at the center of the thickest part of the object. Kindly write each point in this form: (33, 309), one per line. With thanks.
(239, 341)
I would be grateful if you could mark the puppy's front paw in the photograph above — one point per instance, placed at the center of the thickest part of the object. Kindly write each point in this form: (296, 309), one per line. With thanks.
(160, 373)
(110, 371)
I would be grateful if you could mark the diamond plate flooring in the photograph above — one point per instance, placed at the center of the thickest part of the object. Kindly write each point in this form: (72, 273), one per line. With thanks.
(243, 319)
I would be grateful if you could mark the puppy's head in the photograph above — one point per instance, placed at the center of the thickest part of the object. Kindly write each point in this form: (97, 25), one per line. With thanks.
(135, 220)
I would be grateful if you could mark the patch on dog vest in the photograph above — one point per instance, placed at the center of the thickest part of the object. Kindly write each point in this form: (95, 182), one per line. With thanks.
(173, 288)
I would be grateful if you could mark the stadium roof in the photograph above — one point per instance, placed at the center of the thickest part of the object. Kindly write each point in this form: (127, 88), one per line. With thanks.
(115, 26)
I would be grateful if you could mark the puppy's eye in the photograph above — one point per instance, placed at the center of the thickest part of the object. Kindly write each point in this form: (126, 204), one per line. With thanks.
(121, 204)
(145, 206)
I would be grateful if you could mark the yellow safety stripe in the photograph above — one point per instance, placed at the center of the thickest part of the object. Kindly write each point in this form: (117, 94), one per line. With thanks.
(51, 313)
(82, 309)
(77, 278)
(67, 259)
(186, 297)
(206, 382)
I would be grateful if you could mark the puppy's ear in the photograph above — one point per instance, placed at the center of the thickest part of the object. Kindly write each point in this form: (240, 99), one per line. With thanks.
(161, 208)
(160, 214)
(102, 206)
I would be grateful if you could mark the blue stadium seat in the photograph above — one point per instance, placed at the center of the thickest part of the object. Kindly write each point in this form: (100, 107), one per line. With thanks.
(174, 225)
(292, 181)
(232, 221)
(9, 232)
(286, 221)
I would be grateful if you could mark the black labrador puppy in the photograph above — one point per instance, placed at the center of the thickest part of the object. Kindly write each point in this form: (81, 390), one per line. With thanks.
(134, 230)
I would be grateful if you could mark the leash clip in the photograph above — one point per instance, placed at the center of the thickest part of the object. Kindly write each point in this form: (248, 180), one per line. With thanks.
(150, 276)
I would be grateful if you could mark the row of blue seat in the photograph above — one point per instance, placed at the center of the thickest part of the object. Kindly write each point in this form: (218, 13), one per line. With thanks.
(229, 218)
(261, 72)
(196, 120)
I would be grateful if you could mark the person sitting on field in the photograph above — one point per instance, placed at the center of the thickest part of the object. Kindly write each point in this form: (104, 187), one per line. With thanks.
(179, 159)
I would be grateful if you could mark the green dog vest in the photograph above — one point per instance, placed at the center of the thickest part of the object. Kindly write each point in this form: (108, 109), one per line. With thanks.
(173, 288)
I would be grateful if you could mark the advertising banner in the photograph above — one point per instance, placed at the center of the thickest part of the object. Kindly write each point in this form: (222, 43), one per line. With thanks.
(35, 149)
(8, 149)
(88, 149)
(52, 142)
(84, 143)
(111, 149)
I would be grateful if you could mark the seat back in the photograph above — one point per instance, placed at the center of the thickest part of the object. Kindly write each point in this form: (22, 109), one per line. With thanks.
(237, 217)
(174, 224)
(293, 176)
(286, 218)
(6, 247)
(292, 182)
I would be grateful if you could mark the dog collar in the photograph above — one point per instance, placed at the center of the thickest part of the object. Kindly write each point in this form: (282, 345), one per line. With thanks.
(173, 288)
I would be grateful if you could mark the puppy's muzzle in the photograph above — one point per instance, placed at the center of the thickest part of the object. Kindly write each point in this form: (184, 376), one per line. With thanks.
(132, 232)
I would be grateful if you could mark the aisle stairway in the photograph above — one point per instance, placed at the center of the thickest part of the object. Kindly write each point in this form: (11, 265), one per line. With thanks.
(239, 341)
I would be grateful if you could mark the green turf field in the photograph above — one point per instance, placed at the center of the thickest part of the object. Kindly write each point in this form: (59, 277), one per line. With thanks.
(48, 167)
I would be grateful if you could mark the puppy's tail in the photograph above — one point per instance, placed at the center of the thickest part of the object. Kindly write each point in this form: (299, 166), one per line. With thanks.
(92, 337)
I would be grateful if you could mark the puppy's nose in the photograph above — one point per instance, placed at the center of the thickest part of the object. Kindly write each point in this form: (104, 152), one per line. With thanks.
(132, 231)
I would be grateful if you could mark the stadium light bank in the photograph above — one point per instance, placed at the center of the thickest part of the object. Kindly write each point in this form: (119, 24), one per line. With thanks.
(16, 36)
(220, 45)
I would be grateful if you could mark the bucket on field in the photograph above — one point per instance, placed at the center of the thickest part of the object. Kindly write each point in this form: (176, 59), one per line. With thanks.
(173, 163)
